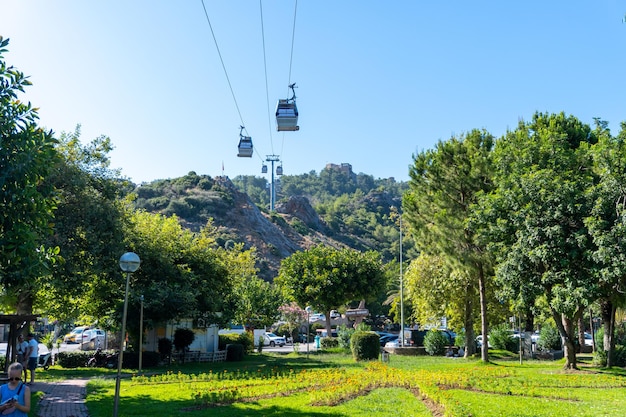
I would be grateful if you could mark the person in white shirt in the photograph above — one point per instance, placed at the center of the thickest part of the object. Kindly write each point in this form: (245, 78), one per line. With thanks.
(33, 356)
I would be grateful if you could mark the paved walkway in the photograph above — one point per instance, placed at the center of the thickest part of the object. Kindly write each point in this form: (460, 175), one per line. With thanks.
(63, 398)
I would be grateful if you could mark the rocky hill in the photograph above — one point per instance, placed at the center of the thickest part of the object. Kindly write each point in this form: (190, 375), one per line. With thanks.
(360, 221)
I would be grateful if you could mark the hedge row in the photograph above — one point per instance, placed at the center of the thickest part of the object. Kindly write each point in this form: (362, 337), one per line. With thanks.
(77, 359)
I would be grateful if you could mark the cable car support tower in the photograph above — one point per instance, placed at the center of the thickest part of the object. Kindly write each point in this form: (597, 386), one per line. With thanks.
(272, 159)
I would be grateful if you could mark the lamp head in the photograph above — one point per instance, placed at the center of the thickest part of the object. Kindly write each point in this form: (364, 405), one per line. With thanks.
(129, 262)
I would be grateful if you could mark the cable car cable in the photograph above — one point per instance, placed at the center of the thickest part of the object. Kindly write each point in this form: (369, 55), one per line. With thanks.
(267, 93)
(232, 92)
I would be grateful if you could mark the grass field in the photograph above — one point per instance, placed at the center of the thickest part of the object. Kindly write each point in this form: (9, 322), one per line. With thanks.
(334, 385)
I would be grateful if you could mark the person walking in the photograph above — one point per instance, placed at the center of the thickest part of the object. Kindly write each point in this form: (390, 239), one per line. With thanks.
(33, 356)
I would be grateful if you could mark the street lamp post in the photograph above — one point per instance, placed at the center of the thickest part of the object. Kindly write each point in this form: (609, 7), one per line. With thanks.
(129, 263)
(308, 310)
(401, 290)
(140, 332)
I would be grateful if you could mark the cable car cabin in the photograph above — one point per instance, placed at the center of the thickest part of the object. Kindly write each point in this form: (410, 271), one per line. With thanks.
(245, 147)
(264, 169)
(279, 170)
(287, 116)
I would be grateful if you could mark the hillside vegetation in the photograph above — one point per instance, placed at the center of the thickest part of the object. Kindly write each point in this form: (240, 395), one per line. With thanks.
(336, 207)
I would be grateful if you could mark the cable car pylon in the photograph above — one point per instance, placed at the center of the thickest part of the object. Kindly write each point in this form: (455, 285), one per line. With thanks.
(272, 159)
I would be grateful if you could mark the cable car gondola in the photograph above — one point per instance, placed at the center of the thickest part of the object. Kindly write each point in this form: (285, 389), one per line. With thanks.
(264, 169)
(287, 113)
(245, 145)
(279, 170)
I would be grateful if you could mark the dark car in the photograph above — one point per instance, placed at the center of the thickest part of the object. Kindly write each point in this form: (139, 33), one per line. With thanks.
(388, 338)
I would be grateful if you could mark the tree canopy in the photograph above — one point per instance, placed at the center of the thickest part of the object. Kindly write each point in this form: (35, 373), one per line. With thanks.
(328, 278)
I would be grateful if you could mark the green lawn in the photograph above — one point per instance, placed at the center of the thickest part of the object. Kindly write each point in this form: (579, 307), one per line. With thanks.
(334, 385)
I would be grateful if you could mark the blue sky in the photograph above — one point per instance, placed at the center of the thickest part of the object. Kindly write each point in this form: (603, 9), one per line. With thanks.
(377, 81)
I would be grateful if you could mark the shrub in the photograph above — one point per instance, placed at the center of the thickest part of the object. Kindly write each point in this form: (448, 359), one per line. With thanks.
(459, 340)
(183, 338)
(500, 338)
(344, 334)
(435, 342)
(73, 359)
(165, 347)
(329, 342)
(244, 339)
(247, 340)
(226, 339)
(234, 352)
(549, 338)
(365, 346)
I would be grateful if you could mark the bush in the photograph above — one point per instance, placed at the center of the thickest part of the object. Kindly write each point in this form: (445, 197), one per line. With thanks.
(183, 338)
(165, 347)
(500, 338)
(244, 339)
(459, 340)
(329, 342)
(73, 359)
(344, 334)
(227, 339)
(234, 352)
(549, 338)
(365, 346)
(435, 342)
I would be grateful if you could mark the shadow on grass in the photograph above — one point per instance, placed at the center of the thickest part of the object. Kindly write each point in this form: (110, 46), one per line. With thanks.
(147, 406)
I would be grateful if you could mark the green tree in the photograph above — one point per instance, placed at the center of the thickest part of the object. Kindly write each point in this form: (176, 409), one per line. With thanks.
(328, 278)
(88, 229)
(535, 219)
(256, 303)
(444, 184)
(607, 226)
(178, 265)
(27, 156)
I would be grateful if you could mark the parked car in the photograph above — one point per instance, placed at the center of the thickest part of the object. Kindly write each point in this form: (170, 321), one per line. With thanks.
(334, 314)
(479, 341)
(76, 335)
(588, 339)
(324, 333)
(393, 343)
(272, 340)
(317, 317)
(93, 338)
(388, 338)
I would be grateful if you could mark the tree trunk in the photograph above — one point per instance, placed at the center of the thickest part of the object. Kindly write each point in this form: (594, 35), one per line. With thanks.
(607, 312)
(566, 330)
(581, 331)
(468, 323)
(328, 329)
(529, 323)
(483, 313)
(24, 302)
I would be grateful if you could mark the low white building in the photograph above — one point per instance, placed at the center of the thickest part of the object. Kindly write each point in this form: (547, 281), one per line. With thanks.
(207, 339)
